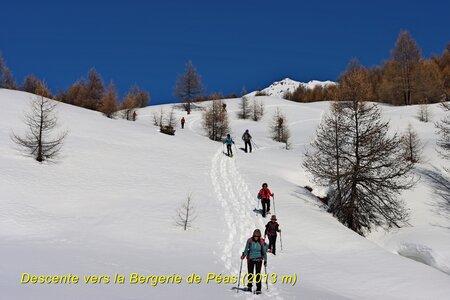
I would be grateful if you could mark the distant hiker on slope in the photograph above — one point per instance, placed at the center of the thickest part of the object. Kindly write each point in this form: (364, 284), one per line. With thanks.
(264, 195)
(271, 231)
(247, 138)
(134, 115)
(255, 251)
(182, 122)
(229, 141)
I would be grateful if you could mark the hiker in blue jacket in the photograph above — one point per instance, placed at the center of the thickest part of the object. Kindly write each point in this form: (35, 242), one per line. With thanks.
(256, 252)
(229, 141)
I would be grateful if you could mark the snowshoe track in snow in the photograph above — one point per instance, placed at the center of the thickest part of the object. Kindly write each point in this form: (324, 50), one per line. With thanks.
(238, 205)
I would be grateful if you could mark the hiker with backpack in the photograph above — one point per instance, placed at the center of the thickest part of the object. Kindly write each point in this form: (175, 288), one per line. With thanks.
(264, 195)
(255, 251)
(247, 138)
(229, 141)
(272, 228)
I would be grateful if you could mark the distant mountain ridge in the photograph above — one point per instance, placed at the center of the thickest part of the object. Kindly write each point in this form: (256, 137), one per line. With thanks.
(279, 88)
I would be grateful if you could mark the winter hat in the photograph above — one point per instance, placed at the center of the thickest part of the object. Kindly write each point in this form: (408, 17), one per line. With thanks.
(257, 232)
(264, 184)
(273, 218)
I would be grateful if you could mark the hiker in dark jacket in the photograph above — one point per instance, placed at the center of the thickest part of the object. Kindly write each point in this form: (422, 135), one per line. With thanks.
(229, 141)
(271, 231)
(256, 252)
(264, 195)
(182, 122)
(247, 138)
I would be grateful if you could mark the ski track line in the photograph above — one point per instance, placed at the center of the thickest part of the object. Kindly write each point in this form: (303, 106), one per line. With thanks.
(238, 204)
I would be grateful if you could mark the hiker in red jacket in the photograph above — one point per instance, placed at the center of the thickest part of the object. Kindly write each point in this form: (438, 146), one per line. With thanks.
(271, 231)
(264, 195)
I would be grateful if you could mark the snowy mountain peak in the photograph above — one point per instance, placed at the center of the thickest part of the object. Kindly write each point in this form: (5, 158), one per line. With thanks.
(279, 88)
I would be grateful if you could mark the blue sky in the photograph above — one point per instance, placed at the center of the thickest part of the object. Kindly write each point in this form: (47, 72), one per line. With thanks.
(232, 43)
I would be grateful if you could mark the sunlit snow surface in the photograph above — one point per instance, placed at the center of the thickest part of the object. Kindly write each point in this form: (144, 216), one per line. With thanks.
(108, 204)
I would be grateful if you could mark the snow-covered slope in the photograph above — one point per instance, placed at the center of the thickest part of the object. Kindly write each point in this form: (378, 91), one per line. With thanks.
(279, 88)
(107, 207)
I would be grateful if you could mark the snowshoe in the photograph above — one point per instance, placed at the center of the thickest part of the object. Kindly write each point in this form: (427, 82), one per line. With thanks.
(247, 289)
(258, 293)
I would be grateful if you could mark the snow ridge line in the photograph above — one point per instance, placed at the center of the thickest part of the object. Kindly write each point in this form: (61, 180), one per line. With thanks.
(238, 204)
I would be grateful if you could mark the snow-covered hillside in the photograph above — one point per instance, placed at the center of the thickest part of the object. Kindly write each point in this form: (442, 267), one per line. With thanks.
(279, 88)
(107, 207)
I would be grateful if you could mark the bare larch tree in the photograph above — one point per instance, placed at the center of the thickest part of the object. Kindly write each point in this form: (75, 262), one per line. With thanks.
(423, 112)
(279, 129)
(39, 141)
(188, 86)
(411, 145)
(244, 108)
(406, 55)
(135, 98)
(323, 159)
(6, 79)
(186, 213)
(168, 122)
(359, 160)
(215, 120)
(257, 109)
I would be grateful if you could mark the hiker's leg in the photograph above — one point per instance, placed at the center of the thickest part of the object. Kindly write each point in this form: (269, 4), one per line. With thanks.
(258, 276)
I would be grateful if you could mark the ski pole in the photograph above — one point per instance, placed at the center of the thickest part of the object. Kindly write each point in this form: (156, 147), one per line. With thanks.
(239, 281)
(267, 278)
(254, 144)
(235, 149)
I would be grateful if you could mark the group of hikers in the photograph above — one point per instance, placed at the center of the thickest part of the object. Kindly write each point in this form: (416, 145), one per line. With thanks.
(246, 137)
(256, 248)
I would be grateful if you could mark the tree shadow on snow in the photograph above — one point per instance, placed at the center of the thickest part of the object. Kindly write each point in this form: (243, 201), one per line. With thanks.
(309, 198)
(441, 187)
(194, 106)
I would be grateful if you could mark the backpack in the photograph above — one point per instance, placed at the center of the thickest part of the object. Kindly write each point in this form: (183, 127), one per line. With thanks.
(272, 228)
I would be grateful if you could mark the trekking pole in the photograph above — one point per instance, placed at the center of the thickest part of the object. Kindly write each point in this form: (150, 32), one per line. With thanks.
(267, 278)
(235, 149)
(281, 242)
(239, 281)
(274, 210)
